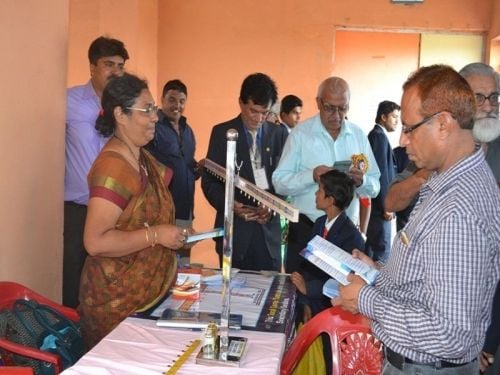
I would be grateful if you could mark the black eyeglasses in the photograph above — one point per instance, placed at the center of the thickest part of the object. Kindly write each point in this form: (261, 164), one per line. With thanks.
(328, 108)
(407, 129)
(492, 98)
(149, 110)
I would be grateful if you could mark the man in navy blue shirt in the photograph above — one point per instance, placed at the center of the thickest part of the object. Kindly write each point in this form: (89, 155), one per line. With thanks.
(174, 146)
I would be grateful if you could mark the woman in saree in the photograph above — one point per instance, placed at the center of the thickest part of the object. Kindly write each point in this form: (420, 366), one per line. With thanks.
(129, 232)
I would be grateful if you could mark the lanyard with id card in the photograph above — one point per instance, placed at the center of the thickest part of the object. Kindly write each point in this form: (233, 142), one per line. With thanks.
(260, 178)
(259, 172)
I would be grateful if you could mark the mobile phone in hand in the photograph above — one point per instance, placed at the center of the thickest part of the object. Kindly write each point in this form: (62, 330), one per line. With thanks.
(342, 165)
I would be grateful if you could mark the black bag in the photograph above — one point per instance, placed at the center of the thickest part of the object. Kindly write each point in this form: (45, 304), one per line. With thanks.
(40, 326)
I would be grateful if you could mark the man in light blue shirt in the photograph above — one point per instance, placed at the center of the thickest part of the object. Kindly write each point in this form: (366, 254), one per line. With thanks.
(311, 150)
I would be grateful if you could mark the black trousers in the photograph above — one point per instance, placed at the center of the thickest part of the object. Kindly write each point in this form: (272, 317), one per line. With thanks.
(74, 251)
(298, 236)
(257, 257)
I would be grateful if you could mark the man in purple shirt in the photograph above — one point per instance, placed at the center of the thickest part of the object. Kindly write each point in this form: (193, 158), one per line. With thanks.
(107, 59)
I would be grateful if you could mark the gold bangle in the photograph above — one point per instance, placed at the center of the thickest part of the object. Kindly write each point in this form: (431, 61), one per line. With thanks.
(155, 238)
(148, 235)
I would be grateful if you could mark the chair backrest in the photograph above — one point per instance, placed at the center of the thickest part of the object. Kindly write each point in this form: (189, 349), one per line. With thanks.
(16, 370)
(354, 349)
(11, 291)
(17, 351)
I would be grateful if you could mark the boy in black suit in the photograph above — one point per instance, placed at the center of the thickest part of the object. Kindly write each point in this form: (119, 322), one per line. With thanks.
(334, 195)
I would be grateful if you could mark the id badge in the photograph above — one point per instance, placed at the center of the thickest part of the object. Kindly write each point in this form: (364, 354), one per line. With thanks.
(260, 178)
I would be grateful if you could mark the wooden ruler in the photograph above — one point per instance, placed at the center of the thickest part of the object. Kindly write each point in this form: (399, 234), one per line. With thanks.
(182, 358)
(265, 198)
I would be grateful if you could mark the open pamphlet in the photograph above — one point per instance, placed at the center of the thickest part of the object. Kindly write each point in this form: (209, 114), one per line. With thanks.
(216, 232)
(337, 262)
(187, 284)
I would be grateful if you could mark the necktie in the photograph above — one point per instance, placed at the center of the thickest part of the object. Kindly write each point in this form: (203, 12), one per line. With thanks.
(325, 232)
(254, 151)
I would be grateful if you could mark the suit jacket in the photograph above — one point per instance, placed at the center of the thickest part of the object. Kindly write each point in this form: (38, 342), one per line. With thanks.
(272, 141)
(343, 234)
(401, 158)
(386, 164)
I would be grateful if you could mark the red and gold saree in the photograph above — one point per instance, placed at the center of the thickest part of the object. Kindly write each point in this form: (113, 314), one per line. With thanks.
(114, 287)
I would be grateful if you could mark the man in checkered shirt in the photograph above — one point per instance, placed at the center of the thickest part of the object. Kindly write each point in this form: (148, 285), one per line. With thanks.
(431, 302)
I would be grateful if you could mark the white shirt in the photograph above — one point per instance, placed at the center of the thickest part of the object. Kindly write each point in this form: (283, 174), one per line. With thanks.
(310, 145)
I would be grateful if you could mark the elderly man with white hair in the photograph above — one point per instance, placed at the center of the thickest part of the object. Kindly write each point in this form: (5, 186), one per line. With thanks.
(484, 81)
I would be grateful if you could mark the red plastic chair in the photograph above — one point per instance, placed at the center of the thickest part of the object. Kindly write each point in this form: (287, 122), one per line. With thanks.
(9, 293)
(354, 349)
(16, 371)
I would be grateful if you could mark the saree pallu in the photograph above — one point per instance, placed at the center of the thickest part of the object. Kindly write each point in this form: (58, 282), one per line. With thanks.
(112, 288)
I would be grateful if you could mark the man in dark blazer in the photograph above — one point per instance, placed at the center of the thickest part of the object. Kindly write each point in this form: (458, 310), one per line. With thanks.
(378, 241)
(256, 232)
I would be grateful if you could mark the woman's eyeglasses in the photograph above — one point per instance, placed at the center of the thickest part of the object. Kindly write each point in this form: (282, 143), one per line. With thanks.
(149, 110)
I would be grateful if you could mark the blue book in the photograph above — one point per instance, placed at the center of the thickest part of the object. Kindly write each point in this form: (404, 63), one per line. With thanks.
(216, 232)
(331, 288)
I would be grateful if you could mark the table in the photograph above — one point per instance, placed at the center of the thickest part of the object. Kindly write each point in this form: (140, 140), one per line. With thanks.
(266, 300)
(139, 347)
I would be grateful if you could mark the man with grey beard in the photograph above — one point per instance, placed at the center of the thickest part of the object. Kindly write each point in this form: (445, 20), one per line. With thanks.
(484, 81)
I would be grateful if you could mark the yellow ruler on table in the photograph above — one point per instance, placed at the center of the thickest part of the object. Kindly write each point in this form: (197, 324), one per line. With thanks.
(177, 363)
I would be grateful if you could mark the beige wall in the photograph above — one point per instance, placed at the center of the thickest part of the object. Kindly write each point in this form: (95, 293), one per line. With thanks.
(135, 22)
(33, 39)
(493, 55)
(380, 80)
(211, 45)
(495, 20)
(33, 68)
(448, 15)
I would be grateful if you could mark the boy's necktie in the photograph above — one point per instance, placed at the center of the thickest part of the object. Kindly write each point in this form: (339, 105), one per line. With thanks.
(325, 232)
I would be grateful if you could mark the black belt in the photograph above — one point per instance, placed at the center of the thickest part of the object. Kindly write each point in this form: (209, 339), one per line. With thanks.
(397, 360)
(74, 204)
